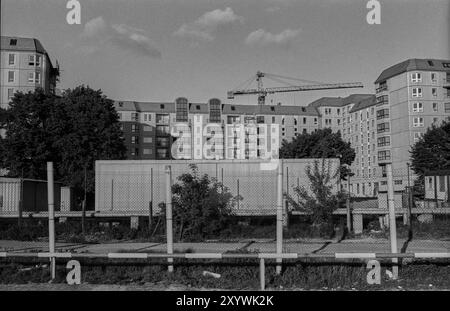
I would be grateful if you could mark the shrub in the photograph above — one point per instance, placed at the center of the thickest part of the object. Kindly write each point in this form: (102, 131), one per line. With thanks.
(201, 205)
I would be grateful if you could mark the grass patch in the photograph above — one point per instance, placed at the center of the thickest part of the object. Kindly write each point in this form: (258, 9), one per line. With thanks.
(237, 274)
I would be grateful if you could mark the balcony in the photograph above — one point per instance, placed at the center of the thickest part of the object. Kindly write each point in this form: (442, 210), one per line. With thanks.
(382, 88)
(446, 83)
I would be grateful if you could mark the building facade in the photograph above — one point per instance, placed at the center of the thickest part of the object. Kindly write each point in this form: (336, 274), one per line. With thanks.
(24, 66)
(409, 97)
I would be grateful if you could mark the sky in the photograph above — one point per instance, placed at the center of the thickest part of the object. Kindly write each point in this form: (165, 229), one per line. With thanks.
(158, 50)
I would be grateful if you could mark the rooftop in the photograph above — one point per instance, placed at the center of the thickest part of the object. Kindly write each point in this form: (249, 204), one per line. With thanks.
(365, 103)
(228, 109)
(414, 64)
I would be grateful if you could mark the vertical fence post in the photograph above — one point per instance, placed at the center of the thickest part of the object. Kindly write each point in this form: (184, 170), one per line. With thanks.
(169, 228)
(262, 274)
(150, 205)
(51, 217)
(83, 213)
(279, 214)
(349, 216)
(286, 216)
(392, 224)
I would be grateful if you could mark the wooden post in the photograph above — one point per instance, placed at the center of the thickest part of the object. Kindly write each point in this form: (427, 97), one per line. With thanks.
(51, 217)
(279, 247)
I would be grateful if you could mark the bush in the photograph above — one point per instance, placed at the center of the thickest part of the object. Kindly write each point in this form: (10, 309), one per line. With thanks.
(201, 206)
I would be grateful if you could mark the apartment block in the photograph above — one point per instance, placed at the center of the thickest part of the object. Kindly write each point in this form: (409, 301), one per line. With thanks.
(24, 66)
(151, 130)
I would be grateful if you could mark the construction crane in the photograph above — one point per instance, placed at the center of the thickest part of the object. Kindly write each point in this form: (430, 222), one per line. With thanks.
(262, 92)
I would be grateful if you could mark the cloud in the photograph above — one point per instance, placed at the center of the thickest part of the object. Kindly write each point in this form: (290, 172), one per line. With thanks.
(264, 38)
(98, 32)
(205, 26)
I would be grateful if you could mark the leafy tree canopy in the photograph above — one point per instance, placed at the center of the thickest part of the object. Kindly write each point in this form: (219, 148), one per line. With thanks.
(322, 143)
(73, 131)
(432, 151)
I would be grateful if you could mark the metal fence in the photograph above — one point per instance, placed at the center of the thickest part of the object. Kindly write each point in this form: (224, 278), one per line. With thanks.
(145, 209)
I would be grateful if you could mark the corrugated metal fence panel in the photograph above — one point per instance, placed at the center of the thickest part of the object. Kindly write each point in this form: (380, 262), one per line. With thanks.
(9, 195)
(126, 186)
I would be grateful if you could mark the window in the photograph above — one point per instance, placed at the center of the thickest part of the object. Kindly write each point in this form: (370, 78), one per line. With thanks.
(273, 119)
(433, 77)
(447, 107)
(134, 128)
(215, 111)
(304, 120)
(10, 93)
(11, 76)
(315, 121)
(147, 128)
(135, 139)
(147, 117)
(31, 77)
(435, 107)
(181, 110)
(12, 59)
(162, 142)
(134, 116)
(417, 107)
(418, 122)
(416, 77)
(148, 140)
(13, 42)
(417, 92)
(295, 121)
(162, 119)
(147, 151)
(383, 113)
(446, 65)
(384, 155)
(162, 130)
(134, 152)
(434, 92)
(161, 153)
(398, 182)
(31, 60)
(383, 127)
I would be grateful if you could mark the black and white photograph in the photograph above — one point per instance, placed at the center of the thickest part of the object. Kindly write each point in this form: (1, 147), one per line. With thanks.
(224, 152)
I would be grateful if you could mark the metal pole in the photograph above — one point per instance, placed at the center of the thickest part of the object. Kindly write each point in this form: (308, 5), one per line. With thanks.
(51, 217)
(21, 201)
(410, 199)
(169, 232)
(262, 274)
(392, 224)
(238, 194)
(286, 218)
(150, 205)
(279, 214)
(349, 216)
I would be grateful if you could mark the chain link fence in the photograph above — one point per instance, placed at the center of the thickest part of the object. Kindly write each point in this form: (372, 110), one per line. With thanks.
(231, 207)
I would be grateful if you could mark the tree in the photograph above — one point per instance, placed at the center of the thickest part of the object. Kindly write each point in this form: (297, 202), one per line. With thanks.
(322, 143)
(432, 151)
(318, 202)
(73, 131)
(201, 206)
